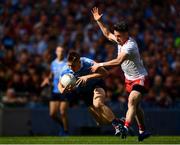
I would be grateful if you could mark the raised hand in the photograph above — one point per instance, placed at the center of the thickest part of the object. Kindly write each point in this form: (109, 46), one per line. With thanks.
(96, 14)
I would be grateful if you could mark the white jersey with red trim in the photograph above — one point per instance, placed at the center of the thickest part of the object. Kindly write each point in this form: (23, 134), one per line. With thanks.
(132, 66)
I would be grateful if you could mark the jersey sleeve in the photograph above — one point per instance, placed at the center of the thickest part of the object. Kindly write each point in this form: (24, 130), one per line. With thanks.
(64, 71)
(87, 61)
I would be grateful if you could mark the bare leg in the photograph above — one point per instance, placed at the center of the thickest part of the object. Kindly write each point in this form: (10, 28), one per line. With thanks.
(134, 99)
(53, 110)
(63, 111)
(140, 119)
(141, 125)
(96, 115)
(104, 111)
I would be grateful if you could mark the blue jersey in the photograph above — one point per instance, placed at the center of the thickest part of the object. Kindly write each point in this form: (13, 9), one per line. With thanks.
(85, 69)
(56, 68)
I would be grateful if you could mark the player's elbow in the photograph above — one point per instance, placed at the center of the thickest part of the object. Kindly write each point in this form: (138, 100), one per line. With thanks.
(121, 58)
(118, 61)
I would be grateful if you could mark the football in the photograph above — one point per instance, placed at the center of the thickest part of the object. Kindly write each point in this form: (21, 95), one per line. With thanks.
(68, 79)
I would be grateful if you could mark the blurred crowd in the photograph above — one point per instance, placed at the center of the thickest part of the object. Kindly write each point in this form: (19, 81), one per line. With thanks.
(30, 32)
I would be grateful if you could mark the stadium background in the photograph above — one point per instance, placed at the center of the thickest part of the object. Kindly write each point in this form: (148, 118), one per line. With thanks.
(30, 32)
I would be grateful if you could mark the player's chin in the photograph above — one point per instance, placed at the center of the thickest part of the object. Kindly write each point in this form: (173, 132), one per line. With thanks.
(119, 41)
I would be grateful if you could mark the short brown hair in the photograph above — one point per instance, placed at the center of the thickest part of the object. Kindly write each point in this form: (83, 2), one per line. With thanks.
(73, 57)
(121, 26)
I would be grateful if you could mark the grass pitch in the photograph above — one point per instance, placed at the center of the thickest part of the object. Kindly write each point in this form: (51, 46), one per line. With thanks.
(89, 140)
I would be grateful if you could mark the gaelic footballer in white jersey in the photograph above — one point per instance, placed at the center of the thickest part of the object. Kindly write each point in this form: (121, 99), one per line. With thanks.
(132, 67)
(135, 73)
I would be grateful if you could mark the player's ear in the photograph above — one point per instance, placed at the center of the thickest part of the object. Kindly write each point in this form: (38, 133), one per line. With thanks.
(79, 62)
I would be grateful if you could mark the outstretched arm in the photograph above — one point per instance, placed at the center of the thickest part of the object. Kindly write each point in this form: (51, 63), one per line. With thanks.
(97, 16)
(100, 73)
(117, 61)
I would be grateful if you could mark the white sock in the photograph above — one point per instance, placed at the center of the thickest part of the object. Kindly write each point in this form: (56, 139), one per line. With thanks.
(126, 128)
(141, 131)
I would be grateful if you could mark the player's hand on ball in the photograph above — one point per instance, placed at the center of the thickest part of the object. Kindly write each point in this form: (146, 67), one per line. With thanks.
(82, 80)
(69, 88)
(66, 89)
(96, 14)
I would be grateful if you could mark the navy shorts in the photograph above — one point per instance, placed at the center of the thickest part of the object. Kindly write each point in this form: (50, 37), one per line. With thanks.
(59, 97)
(87, 93)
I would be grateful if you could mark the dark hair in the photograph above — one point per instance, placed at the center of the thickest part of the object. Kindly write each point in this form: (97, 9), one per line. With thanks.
(121, 26)
(60, 45)
(73, 57)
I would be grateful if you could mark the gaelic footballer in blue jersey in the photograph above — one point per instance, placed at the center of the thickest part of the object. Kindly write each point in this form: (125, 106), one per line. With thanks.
(89, 86)
(58, 102)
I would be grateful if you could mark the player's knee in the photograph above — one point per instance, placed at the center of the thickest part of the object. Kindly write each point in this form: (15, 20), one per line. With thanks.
(98, 99)
(63, 113)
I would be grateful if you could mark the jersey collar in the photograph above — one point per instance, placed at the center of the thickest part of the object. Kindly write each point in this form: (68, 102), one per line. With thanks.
(60, 60)
(125, 42)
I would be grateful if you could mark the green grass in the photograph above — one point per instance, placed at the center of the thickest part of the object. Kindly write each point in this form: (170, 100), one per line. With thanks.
(89, 140)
